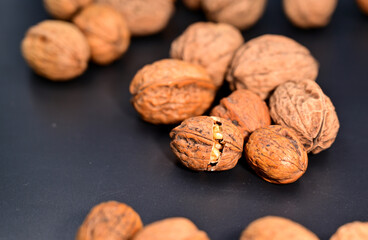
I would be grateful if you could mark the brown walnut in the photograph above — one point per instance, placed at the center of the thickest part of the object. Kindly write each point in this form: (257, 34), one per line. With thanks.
(64, 9)
(276, 155)
(265, 62)
(244, 109)
(239, 13)
(363, 5)
(210, 45)
(106, 31)
(110, 220)
(276, 228)
(56, 50)
(352, 231)
(303, 107)
(207, 143)
(192, 4)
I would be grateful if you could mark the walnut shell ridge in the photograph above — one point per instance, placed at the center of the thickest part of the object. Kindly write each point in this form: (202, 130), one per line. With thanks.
(352, 231)
(363, 5)
(64, 9)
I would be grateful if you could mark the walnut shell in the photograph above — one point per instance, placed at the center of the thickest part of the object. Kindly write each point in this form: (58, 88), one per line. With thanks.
(169, 91)
(265, 62)
(207, 143)
(276, 155)
(239, 13)
(176, 228)
(363, 5)
(110, 220)
(352, 231)
(192, 4)
(64, 9)
(244, 109)
(144, 17)
(56, 50)
(303, 107)
(276, 228)
(309, 13)
(210, 45)
(106, 31)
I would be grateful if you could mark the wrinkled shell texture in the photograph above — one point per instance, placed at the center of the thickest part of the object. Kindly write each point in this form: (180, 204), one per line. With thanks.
(363, 5)
(144, 17)
(56, 50)
(192, 143)
(309, 13)
(276, 155)
(110, 221)
(352, 231)
(64, 9)
(169, 91)
(265, 62)
(303, 107)
(171, 229)
(210, 45)
(276, 228)
(239, 13)
(244, 109)
(106, 31)
(192, 4)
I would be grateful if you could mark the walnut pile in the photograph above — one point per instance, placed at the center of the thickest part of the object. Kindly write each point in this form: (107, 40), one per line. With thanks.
(210, 45)
(363, 5)
(64, 9)
(352, 231)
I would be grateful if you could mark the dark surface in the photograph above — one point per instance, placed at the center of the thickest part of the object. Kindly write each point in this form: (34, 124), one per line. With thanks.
(68, 146)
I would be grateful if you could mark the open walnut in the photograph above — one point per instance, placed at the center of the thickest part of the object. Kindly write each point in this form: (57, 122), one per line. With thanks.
(64, 9)
(352, 231)
(207, 143)
(303, 107)
(265, 62)
(363, 5)
(210, 45)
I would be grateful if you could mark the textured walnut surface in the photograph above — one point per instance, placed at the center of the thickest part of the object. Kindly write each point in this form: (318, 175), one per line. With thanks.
(363, 5)
(352, 231)
(265, 62)
(210, 45)
(64, 9)
(303, 107)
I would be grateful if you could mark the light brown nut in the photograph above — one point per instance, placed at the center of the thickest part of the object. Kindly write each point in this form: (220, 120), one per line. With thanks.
(56, 50)
(276, 155)
(244, 109)
(265, 62)
(106, 31)
(64, 9)
(303, 107)
(171, 229)
(144, 17)
(309, 13)
(192, 4)
(352, 231)
(110, 221)
(169, 91)
(210, 45)
(239, 13)
(276, 228)
(207, 143)
(363, 5)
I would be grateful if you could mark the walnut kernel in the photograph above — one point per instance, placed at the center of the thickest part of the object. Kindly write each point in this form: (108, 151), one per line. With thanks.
(64, 9)
(352, 231)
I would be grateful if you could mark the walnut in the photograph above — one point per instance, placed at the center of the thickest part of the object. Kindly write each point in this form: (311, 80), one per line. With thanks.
(265, 62)
(192, 4)
(110, 220)
(56, 50)
(309, 13)
(210, 45)
(239, 13)
(144, 17)
(363, 5)
(352, 231)
(64, 9)
(207, 143)
(106, 31)
(303, 107)
(177, 228)
(276, 154)
(276, 228)
(245, 109)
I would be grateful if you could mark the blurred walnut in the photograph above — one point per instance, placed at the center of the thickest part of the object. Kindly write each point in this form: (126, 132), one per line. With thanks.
(363, 5)
(64, 9)
(303, 107)
(144, 17)
(352, 231)
(265, 62)
(309, 13)
(239, 13)
(106, 31)
(207, 143)
(210, 45)
(245, 109)
(110, 220)
(56, 50)
(276, 228)
(192, 4)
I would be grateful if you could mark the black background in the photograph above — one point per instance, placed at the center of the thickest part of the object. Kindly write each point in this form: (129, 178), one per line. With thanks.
(68, 146)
